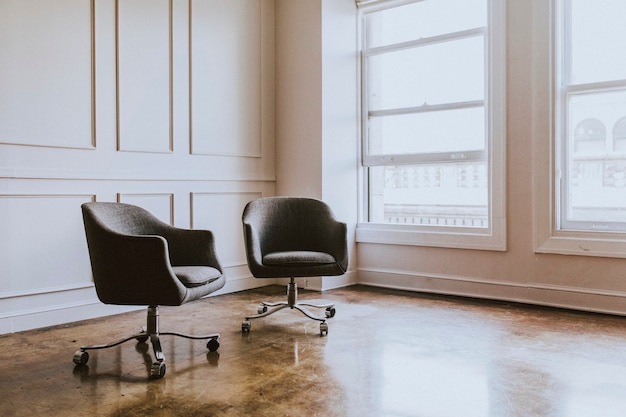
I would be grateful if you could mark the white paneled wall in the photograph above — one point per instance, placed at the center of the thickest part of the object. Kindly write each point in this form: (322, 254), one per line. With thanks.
(221, 213)
(46, 67)
(226, 33)
(166, 104)
(144, 76)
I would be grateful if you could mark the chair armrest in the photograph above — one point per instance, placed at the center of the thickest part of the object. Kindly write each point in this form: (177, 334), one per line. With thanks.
(338, 241)
(253, 246)
(190, 247)
(141, 267)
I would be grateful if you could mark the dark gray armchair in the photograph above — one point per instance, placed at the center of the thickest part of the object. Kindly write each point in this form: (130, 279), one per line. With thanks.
(136, 259)
(288, 237)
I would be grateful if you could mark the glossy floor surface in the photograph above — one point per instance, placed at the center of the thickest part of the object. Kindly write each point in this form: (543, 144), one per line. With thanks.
(387, 353)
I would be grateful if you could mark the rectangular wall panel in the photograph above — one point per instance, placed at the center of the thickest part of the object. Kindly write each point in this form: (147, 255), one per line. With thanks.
(118, 72)
(225, 62)
(46, 73)
(144, 83)
(42, 243)
(160, 205)
(221, 213)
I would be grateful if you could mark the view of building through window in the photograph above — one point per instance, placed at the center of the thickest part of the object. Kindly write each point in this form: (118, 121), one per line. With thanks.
(591, 130)
(425, 97)
(426, 111)
(436, 194)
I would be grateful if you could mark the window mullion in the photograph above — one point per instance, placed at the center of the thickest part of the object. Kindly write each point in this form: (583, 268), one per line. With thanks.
(566, 35)
(594, 87)
(424, 108)
(424, 158)
(417, 43)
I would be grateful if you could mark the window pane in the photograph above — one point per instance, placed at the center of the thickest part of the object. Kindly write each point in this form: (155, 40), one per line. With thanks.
(424, 19)
(433, 195)
(429, 74)
(597, 40)
(443, 131)
(619, 135)
(596, 189)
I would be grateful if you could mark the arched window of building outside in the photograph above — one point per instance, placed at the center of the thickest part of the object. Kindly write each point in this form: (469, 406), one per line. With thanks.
(590, 136)
(619, 135)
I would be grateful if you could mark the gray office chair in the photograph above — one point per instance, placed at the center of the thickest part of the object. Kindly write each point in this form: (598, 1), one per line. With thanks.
(138, 260)
(287, 237)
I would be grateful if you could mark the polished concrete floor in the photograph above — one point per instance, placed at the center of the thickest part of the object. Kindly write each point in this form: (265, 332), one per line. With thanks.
(387, 353)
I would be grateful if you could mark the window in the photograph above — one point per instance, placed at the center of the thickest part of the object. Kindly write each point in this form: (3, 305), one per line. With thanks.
(433, 123)
(580, 139)
(591, 114)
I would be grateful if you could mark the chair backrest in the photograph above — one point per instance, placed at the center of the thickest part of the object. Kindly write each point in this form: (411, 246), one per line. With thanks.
(289, 224)
(120, 218)
(135, 257)
(129, 267)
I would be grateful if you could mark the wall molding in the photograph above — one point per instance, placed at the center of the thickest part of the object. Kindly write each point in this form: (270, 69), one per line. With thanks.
(150, 202)
(83, 303)
(58, 140)
(574, 298)
(41, 291)
(124, 175)
(195, 139)
(54, 306)
(119, 80)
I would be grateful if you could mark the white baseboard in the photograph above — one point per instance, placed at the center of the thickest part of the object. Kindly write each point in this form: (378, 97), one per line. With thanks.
(22, 312)
(59, 314)
(345, 280)
(325, 283)
(575, 298)
(25, 312)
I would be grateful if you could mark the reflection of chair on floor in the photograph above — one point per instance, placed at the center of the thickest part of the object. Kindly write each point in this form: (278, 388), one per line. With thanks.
(287, 237)
(138, 260)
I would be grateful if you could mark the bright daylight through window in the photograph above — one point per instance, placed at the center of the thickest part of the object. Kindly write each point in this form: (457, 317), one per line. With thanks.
(591, 116)
(433, 120)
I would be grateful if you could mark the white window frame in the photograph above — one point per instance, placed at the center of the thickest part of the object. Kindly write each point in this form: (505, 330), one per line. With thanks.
(550, 237)
(494, 236)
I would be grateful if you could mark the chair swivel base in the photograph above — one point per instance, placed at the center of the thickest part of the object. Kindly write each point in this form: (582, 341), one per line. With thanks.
(151, 331)
(292, 303)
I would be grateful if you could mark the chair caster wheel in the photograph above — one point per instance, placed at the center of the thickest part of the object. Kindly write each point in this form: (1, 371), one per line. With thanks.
(143, 337)
(245, 326)
(323, 329)
(262, 309)
(81, 357)
(212, 345)
(157, 370)
(330, 312)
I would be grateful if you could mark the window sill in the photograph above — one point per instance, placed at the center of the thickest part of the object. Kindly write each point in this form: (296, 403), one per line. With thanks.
(410, 235)
(582, 244)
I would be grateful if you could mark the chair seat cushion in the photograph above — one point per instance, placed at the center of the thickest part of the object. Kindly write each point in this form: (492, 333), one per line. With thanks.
(298, 258)
(195, 276)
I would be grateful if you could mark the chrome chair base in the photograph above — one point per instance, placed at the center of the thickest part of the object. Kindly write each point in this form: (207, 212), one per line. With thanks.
(267, 308)
(151, 331)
